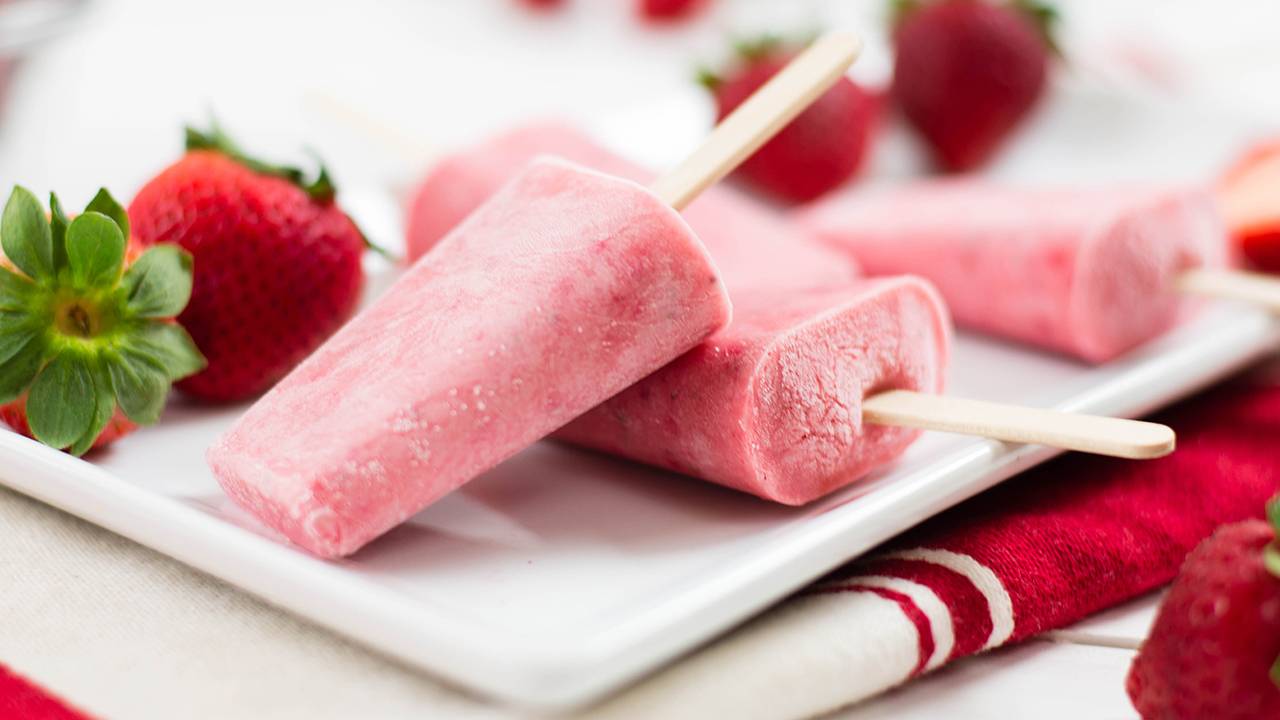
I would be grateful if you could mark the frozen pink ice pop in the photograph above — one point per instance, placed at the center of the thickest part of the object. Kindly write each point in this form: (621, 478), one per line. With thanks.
(564, 288)
(1086, 272)
(771, 405)
(750, 243)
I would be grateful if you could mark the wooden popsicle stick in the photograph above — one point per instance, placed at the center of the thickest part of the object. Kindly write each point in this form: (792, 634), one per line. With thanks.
(761, 116)
(1223, 284)
(1070, 431)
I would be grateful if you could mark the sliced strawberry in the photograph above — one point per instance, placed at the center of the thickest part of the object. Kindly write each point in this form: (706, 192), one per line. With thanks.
(1249, 195)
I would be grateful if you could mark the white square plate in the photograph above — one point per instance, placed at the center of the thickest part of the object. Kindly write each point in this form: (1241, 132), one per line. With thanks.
(562, 574)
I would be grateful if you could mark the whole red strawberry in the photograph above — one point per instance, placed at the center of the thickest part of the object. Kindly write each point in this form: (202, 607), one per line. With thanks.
(820, 149)
(278, 262)
(1213, 650)
(88, 346)
(967, 72)
(667, 10)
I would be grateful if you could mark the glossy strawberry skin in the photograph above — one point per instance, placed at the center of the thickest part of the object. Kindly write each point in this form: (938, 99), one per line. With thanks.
(819, 150)
(14, 414)
(1216, 636)
(966, 73)
(276, 273)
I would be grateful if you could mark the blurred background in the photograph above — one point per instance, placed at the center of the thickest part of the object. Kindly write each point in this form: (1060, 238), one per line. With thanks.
(100, 88)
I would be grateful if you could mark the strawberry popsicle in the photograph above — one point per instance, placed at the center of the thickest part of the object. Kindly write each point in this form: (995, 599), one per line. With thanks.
(563, 289)
(771, 405)
(736, 230)
(1085, 272)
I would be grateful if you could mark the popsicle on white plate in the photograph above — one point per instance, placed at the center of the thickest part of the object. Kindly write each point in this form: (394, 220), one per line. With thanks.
(752, 245)
(561, 290)
(1088, 272)
(772, 404)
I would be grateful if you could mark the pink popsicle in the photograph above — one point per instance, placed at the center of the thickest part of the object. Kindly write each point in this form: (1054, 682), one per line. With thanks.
(1085, 272)
(771, 405)
(751, 244)
(564, 288)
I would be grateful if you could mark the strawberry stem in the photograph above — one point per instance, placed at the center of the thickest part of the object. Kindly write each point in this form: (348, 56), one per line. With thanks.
(320, 190)
(1045, 17)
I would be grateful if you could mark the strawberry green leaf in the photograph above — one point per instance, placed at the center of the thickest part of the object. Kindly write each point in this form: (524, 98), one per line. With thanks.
(60, 406)
(15, 290)
(58, 223)
(320, 190)
(140, 386)
(25, 234)
(16, 330)
(1273, 513)
(708, 78)
(104, 410)
(107, 205)
(1046, 19)
(169, 346)
(1275, 673)
(1271, 559)
(17, 372)
(900, 9)
(158, 284)
(95, 250)
(13, 325)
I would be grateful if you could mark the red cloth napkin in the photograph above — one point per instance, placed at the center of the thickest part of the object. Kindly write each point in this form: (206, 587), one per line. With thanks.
(1077, 535)
(21, 699)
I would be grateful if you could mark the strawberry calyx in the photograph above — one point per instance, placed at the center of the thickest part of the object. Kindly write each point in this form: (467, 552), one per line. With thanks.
(751, 50)
(321, 189)
(1045, 17)
(80, 333)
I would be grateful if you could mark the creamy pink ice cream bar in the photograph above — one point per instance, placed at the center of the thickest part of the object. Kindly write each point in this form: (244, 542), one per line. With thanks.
(563, 289)
(772, 404)
(1086, 272)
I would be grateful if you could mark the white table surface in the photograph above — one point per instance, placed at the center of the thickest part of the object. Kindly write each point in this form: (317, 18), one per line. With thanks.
(103, 108)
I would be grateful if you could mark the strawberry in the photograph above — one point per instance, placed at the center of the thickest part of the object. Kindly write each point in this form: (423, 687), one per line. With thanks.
(1213, 651)
(1249, 195)
(820, 149)
(667, 10)
(967, 72)
(279, 262)
(88, 348)
(542, 4)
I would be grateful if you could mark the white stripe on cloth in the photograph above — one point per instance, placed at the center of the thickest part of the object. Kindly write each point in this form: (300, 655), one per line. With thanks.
(984, 580)
(928, 603)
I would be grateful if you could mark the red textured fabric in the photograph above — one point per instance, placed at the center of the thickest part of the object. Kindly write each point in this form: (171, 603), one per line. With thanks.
(20, 698)
(1084, 533)
(969, 612)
